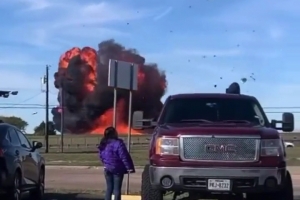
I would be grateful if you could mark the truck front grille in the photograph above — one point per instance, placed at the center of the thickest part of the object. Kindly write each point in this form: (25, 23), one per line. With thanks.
(236, 149)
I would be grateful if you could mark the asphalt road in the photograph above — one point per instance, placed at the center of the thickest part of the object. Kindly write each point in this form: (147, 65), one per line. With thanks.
(82, 179)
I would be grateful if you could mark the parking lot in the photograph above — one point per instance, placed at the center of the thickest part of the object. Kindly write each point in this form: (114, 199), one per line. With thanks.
(82, 183)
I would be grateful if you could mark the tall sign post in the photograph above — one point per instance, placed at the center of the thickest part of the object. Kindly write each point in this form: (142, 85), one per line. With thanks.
(123, 75)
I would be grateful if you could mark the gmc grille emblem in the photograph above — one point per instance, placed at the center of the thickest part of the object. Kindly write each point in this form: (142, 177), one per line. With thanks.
(223, 148)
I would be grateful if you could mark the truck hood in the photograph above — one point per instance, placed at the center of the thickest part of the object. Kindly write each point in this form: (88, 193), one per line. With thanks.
(188, 129)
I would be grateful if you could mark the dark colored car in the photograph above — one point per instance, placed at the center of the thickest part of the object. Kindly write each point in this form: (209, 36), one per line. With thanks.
(213, 145)
(22, 168)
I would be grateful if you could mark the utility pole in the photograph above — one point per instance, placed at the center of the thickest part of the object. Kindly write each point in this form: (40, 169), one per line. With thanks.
(62, 119)
(46, 81)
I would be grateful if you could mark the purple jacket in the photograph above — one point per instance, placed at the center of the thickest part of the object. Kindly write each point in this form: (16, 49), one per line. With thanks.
(115, 157)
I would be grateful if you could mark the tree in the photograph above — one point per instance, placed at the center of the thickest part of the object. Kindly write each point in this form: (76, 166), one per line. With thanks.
(16, 121)
(40, 129)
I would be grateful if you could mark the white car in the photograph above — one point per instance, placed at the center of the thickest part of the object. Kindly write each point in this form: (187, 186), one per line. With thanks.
(289, 145)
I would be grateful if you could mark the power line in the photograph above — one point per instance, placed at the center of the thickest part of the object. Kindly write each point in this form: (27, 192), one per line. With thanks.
(58, 107)
(24, 107)
(22, 104)
(25, 100)
(53, 105)
(20, 89)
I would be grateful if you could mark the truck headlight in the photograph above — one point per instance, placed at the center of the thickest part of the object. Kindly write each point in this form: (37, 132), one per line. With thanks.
(271, 147)
(167, 146)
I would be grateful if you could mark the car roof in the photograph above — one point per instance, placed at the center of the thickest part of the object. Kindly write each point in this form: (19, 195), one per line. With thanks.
(211, 95)
(6, 124)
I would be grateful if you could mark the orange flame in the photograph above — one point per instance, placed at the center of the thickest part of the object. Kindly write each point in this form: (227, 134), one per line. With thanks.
(106, 120)
(66, 57)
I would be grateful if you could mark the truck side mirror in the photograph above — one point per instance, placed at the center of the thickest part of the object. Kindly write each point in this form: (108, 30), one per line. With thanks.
(288, 122)
(138, 121)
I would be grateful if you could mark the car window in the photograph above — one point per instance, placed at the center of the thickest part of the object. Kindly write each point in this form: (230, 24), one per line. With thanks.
(213, 109)
(14, 139)
(4, 138)
(24, 141)
(3, 131)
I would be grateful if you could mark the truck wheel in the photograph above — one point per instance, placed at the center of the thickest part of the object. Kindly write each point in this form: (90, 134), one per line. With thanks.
(147, 192)
(287, 193)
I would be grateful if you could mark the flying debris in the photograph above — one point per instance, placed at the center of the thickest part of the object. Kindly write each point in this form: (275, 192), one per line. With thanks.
(87, 104)
(244, 80)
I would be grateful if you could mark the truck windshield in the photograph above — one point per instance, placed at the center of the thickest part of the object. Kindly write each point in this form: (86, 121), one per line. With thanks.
(211, 110)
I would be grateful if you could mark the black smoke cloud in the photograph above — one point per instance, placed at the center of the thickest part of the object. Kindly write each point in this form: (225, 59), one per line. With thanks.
(83, 108)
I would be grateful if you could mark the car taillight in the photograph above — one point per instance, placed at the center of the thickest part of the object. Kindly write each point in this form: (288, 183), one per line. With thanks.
(167, 146)
(272, 147)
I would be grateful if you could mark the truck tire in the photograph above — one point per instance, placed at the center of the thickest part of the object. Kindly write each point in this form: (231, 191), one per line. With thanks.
(147, 193)
(287, 193)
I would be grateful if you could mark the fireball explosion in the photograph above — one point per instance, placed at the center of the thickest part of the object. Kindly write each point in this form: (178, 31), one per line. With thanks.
(88, 101)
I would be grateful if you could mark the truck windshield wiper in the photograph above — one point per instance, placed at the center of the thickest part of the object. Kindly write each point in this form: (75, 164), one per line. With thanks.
(237, 121)
(196, 120)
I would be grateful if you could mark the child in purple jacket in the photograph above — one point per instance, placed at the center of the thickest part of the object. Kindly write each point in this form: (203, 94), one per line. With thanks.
(116, 160)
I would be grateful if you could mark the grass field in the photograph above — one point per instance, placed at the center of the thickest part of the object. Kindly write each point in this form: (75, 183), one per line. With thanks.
(81, 149)
(139, 156)
(70, 140)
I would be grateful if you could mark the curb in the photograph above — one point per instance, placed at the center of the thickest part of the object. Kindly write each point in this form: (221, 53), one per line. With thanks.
(291, 168)
(130, 197)
(79, 167)
(70, 167)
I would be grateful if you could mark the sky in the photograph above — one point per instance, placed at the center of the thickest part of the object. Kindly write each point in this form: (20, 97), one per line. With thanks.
(194, 41)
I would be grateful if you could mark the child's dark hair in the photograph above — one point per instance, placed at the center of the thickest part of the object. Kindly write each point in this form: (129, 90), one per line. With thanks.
(109, 133)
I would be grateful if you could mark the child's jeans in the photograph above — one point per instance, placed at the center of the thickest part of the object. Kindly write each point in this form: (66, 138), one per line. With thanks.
(113, 185)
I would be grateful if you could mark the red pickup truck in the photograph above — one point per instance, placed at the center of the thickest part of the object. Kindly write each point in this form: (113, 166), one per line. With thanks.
(217, 145)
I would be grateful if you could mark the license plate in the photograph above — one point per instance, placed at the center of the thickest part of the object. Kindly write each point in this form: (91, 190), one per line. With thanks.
(218, 185)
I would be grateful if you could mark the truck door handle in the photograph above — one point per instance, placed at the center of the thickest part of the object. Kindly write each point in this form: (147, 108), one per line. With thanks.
(17, 152)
